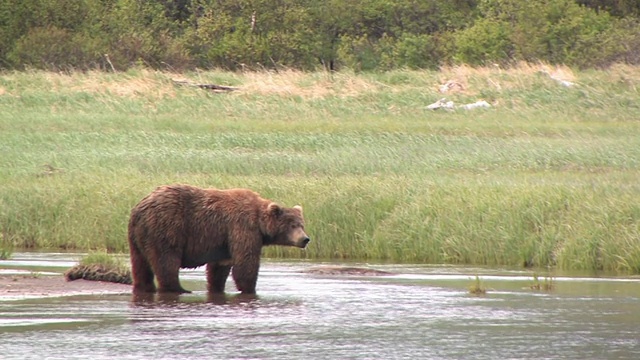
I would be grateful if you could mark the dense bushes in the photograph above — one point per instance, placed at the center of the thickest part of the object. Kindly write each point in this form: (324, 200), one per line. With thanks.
(304, 34)
(554, 31)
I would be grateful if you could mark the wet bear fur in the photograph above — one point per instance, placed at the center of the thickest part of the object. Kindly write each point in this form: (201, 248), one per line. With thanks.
(181, 226)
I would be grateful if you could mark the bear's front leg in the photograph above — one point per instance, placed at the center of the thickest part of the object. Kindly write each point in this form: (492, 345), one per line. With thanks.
(217, 277)
(167, 271)
(245, 253)
(245, 274)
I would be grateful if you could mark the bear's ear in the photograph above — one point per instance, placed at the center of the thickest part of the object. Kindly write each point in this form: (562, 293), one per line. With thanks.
(299, 208)
(274, 209)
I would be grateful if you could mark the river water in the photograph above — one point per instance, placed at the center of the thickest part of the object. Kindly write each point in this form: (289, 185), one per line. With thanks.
(421, 312)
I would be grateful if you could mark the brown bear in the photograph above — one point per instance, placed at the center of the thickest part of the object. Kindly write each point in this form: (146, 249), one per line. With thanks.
(181, 226)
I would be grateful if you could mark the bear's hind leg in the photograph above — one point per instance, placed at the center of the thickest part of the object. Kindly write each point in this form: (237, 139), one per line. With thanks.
(141, 272)
(217, 277)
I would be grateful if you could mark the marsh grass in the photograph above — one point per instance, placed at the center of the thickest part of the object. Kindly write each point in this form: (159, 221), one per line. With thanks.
(547, 284)
(110, 261)
(546, 177)
(477, 287)
(5, 253)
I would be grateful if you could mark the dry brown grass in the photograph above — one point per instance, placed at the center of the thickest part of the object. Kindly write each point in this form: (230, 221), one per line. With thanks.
(498, 78)
(522, 68)
(146, 83)
(157, 85)
(625, 73)
(292, 83)
(306, 85)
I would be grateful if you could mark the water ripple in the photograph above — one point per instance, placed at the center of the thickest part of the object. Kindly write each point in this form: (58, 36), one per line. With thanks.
(424, 312)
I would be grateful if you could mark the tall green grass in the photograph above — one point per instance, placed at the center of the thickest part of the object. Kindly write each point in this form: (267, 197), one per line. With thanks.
(108, 261)
(548, 176)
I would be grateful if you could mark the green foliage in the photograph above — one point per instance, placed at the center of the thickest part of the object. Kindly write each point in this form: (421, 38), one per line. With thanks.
(40, 33)
(415, 52)
(619, 44)
(554, 31)
(358, 53)
(363, 36)
(619, 8)
(139, 32)
(409, 51)
(486, 42)
(251, 35)
(47, 48)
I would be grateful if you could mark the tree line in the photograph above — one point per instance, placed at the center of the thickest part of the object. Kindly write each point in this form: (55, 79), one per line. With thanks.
(363, 35)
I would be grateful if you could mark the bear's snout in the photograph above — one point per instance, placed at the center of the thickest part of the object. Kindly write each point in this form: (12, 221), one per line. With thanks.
(304, 242)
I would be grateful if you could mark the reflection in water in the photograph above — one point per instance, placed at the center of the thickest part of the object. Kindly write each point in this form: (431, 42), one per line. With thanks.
(168, 299)
(424, 312)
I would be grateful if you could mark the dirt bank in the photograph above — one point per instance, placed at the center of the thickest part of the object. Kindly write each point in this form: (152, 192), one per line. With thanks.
(30, 286)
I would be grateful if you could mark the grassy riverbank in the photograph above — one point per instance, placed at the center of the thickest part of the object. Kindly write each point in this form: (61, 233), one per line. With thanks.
(547, 176)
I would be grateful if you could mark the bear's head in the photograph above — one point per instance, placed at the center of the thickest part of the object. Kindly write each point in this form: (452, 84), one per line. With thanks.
(284, 226)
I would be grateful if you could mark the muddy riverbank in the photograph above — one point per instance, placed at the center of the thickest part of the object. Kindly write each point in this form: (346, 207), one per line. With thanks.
(30, 286)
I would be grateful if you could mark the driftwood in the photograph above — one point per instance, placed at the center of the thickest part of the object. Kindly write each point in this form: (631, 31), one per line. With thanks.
(212, 87)
(345, 270)
(98, 273)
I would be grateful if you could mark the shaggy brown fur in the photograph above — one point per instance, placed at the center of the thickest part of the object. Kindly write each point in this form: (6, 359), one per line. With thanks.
(181, 226)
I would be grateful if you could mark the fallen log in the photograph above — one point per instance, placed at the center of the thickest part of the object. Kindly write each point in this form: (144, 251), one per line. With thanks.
(212, 87)
(345, 270)
(98, 273)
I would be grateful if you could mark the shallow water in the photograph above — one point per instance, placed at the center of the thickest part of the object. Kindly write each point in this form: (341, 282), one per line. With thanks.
(423, 312)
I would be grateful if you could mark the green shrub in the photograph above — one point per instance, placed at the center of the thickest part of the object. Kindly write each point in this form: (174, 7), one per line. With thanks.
(487, 42)
(49, 48)
(620, 44)
(372, 35)
(358, 53)
(553, 31)
(416, 52)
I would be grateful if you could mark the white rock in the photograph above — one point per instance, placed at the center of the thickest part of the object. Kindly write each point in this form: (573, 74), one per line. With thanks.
(477, 104)
(442, 103)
